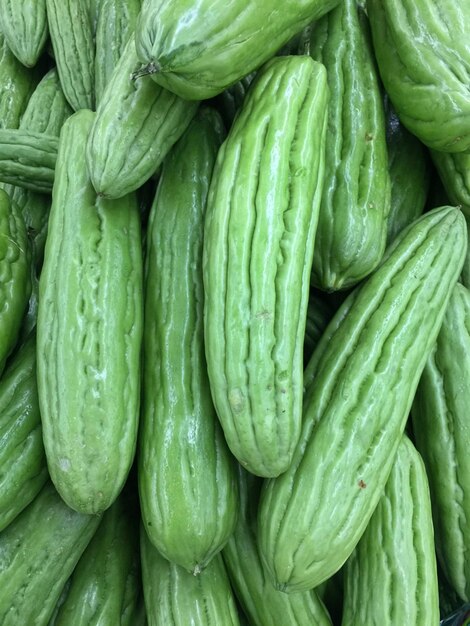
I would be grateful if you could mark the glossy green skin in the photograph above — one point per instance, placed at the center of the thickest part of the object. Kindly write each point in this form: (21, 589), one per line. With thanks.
(454, 172)
(116, 23)
(16, 86)
(15, 283)
(38, 552)
(72, 36)
(175, 597)
(105, 585)
(262, 213)
(352, 225)
(391, 577)
(89, 331)
(197, 50)
(423, 56)
(263, 604)
(22, 457)
(364, 373)
(27, 159)
(24, 25)
(442, 429)
(409, 170)
(187, 480)
(136, 125)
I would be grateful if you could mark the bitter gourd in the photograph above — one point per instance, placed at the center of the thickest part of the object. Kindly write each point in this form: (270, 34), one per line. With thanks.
(24, 24)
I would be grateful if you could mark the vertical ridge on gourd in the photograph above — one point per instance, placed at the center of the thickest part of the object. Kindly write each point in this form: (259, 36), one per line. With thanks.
(391, 577)
(424, 60)
(22, 451)
(198, 49)
(187, 478)
(352, 224)
(89, 331)
(24, 24)
(454, 172)
(175, 597)
(72, 36)
(258, 245)
(263, 604)
(38, 552)
(137, 123)
(363, 375)
(441, 427)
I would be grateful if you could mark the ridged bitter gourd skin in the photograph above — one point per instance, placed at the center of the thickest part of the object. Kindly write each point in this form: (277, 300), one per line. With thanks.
(22, 458)
(24, 24)
(72, 35)
(89, 331)
(187, 479)
(441, 427)
(198, 48)
(258, 245)
(391, 577)
(424, 59)
(454, 172)
(363, 376)
(175, 597)
(38, 552)
(263, 604)
(137, 123)
(352, 224)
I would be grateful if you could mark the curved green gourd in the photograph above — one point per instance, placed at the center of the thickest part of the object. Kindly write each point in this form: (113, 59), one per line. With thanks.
(360, 385)
(72, 36)
(424, 60)
(38, 552)
(175, 597)
(441, 427)
(187, 479)
(262, 215)
(89, 331)
(24, 25)
(116, 23)
(22, 457)
(263, 604)
(352, 224)
(196, 50)
(454, 172)
(391, 577)
(137, 123)
(465, 275)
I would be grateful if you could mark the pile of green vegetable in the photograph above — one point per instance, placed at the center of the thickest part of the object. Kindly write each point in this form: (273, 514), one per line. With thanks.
(235, 313)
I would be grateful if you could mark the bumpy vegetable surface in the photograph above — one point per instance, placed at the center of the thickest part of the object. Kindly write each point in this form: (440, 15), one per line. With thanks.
(137, 123)
(454, 171)
(260, 226)
(197, 49)
(363, 376)
(38, 552)
(424, 60)
(89, 331)
(352, 224)
(441, 427)
(187, 480)
(24, 24)
(391, 577)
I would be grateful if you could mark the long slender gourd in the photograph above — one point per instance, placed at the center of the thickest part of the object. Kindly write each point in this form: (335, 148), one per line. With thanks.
(137, 123)
(175, 597)
(441, 427)
(72, 35)
(262, 603)
(360, 384)
(424, 59)
(198, 49)
(187, 479)
(38, 552)
(258, 245)
(22, 458)
(391, 577)
(24, 24)
(352, 224)
(89, 331)
(454, 172)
